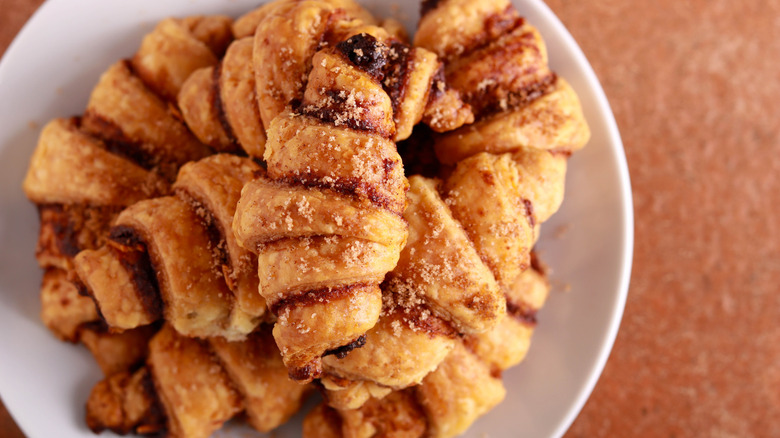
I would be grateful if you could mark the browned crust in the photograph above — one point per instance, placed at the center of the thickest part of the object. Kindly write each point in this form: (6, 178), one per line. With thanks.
(438, 85)
(334, 110)
(434, 326)
(494, 26)
(537, 264)
(427, 6)
(484, 103)
(388, 65)
(116, 141)
(99, 326)
(107, 410)
(341, 352)
(310, 370)
(213, 228)
(216, 96)
(65, 230)
(399, 71)
(420, 318)
(352, 186)
(84, 291)
(130, 250)
(559, 152)
(315, 296)
(54, 217)
(522, 312)
(498, 24)
(367, 53)
(529, 212)
(155, 422)
(391, 65)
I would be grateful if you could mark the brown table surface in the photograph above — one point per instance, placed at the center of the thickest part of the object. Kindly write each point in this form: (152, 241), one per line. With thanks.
(695, 87)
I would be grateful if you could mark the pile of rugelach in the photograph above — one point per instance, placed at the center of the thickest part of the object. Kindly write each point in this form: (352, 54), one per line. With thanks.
(230, 225)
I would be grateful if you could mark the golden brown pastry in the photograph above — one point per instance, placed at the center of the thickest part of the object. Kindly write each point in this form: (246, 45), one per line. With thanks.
(455, 406)
(195, 296)
(220, 106)
(288, 34)
(84, 170)
(407, 308)
(157, 244)
(502, 199)
(73, 317)
(121, 281)
(119, 351)
(400, 350)
(506, 345)
(286, 37)
(129, 108)
(342, 393)
(552, 122)
(461, 390)
(450, 28)
(469, 251)
(439, 288)
(212, 187)
(126, 402)
(440, 267)
(195, 392)
(246, 24)
(192, 293)
(404, 72)
(177, 47)
(188, 388)
(464, 386)
(409, 76)
(510, 164)
(398, 415)
(138, 124)
(444, 405)
(63, 310)
(79, 187)
(255, 366)
(176, 258)
(445, 110)
(326, 222)
(322, 422)
(348, 102)
(498, 63)
(66, 229)
(71, 167)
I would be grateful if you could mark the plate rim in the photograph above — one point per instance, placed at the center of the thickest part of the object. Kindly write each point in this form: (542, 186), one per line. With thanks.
(627, 235)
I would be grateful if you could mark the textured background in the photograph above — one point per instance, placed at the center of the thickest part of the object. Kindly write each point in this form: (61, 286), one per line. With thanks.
(695, 87)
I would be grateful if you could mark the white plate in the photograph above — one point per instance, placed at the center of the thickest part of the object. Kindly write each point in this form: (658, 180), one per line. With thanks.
(49, 71)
